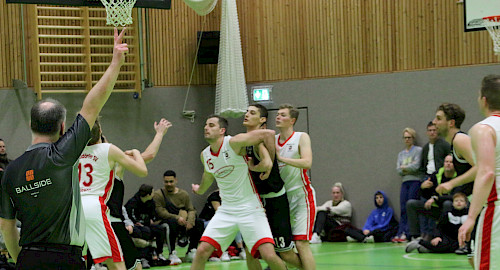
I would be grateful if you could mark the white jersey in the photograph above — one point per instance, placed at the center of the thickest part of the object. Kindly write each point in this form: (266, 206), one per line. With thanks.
(293, 177)
(494, 122)
(96, 177)
(231, 172)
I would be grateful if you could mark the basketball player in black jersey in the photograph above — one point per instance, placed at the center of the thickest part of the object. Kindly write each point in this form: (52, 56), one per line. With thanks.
(448, 120)
(266, 177)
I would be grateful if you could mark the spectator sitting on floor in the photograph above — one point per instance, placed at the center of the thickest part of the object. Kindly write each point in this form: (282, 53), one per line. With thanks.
(380, 226)
(334, 216)
(446, 237)
(174, 207)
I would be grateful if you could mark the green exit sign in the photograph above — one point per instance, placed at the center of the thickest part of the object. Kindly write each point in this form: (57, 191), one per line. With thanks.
(261, 93)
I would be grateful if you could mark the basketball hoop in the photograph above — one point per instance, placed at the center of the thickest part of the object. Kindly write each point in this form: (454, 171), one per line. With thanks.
(492, 24)
(118, 12)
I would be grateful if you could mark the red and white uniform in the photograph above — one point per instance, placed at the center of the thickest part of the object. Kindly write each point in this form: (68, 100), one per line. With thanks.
(487, 242)
(241, 209)
(96, 184)
(300, 193)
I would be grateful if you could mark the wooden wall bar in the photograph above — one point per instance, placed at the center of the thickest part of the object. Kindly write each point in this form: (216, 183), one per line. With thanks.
(298, 39)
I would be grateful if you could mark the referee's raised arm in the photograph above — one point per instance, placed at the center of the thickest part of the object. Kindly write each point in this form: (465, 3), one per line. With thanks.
(99, 94)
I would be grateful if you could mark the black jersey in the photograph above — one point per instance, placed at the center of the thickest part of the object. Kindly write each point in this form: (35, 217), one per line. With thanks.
(115, 201)
(272, 184)
(208, 210)
(41, 189)
(461, 167)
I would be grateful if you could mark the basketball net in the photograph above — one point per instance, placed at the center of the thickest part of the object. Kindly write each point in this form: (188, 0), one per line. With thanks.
(492, 24)
(118, 12)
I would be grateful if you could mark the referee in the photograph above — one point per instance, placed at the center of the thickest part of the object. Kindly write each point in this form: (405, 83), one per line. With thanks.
(40, 188)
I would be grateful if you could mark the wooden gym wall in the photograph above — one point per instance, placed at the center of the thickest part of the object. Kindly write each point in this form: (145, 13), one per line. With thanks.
(293, 40)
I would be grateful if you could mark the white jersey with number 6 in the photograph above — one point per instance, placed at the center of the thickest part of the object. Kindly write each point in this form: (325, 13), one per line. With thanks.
(231, 172)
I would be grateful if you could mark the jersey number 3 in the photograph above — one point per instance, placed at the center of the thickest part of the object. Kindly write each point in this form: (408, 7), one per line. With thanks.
(88, 170)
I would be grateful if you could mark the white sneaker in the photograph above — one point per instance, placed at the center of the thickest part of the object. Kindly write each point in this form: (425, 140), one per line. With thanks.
(350, 239)
(369, 239)
(174, 259)
(190, 255)
(161, 257)
(225, 257)
(214, 259)
(315, 239)
(243, 255)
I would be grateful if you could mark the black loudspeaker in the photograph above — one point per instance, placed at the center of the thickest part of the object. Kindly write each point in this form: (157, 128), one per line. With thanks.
(208, 53)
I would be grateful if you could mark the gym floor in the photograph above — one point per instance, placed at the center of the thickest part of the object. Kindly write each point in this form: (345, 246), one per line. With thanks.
(358, 256)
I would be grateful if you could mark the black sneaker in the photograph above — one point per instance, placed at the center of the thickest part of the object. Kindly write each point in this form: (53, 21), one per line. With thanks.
(463, 251)
(183, 241)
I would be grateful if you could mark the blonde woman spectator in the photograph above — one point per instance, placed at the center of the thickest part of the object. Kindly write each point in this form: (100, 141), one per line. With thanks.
(334, 216)
(408, 166)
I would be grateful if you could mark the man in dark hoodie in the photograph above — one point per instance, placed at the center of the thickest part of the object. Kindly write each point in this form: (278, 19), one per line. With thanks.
(142, 211)
(380, 226)
(446, 235)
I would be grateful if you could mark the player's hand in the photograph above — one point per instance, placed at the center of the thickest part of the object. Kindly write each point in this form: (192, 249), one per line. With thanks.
(436, 241)
(162, 126)
(129, 153)
(188, 226)
(444, 188)
(195, 188)
(138, 224)
(427, 184)
(250, 163)
(465, 231)
(366, 232)
(119, 48)
(181, 221)
(130, 229)
(1, 169)
(428, 203)
(265, 175)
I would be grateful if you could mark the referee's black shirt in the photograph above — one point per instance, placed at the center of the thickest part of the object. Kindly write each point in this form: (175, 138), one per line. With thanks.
(41, 189)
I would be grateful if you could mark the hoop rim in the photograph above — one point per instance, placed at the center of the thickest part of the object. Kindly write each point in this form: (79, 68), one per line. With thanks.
(494, 18)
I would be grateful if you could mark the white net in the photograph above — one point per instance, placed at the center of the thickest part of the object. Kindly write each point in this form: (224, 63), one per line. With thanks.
(231, 99)
(118, 12)
(492, 24)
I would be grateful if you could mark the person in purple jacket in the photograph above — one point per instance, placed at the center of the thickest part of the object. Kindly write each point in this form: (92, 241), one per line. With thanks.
(380, 226)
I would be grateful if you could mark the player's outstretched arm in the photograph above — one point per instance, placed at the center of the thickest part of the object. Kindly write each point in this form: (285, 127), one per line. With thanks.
(483, 144)
(99, 94)
(305, 151)
(206, 180)
(132, 161)
(161, 129)
(254, 138)
(11, 237)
